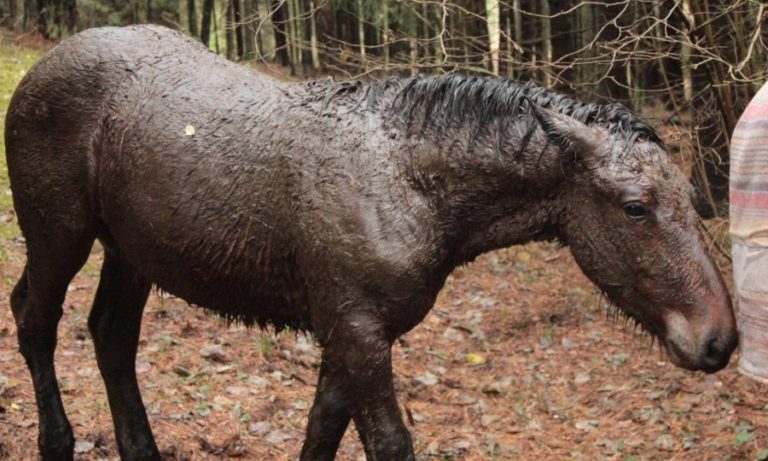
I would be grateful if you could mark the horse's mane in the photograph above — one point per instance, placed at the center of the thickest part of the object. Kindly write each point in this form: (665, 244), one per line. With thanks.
(455, 98)
(451, 100)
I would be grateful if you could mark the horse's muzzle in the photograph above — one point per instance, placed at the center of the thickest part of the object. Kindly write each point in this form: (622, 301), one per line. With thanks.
(707, 349)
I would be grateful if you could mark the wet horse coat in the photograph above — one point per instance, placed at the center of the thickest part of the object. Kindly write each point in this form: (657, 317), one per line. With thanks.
(338, 208)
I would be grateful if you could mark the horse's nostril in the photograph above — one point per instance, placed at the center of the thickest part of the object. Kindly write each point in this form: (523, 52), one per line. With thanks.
(714, 349)
(718, 350)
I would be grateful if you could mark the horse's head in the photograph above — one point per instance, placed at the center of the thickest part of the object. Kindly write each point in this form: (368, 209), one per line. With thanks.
(633, 231)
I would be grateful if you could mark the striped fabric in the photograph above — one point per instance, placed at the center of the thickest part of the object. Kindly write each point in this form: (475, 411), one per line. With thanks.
(749, 173)
(749, 233)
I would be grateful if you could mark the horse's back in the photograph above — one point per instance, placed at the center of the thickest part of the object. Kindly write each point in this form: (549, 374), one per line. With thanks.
(105, 72)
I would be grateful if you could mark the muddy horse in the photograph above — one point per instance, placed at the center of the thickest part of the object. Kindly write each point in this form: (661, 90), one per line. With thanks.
(337, 208)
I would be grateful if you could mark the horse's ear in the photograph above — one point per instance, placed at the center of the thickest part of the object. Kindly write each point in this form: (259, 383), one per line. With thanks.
(575, 139)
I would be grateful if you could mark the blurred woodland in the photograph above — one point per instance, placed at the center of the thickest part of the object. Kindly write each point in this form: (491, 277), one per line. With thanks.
(689, 64)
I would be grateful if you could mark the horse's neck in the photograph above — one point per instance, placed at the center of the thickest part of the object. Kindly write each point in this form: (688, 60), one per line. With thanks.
(488, 196)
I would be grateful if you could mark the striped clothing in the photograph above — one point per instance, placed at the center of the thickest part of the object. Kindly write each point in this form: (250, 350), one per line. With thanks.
(749, 173)
(749, 233)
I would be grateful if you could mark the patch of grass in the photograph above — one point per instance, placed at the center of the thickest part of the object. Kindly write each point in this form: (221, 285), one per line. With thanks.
(14, 63)
(266, 346)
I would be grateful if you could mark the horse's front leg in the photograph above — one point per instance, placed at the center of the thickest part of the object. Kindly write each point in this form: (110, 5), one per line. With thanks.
(330, 416)
(360, 348)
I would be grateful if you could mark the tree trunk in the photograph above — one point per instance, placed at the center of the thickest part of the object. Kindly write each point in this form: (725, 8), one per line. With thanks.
(250, 16)
(465, 42)
(338, 22)
(205, 27)
(238, 22)
(509, 44)
(229, 31)
(546, 32)
(291, 35)
(425, 33)
(70, 15)
(361, 32)
(293, 42)
(413, 44)
(305, 22)
(385, 32)
(30, 13)
(685, 60)
(298, 35)
(494, 33)
(439, 36)
(215, 30)
(13, 11)
(634, 75)
(279, 17)
(42, 18)
(262, 11)
(313, 35)
(586, 29)
(192, 17)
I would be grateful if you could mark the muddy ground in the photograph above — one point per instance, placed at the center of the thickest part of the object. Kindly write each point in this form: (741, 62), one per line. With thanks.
(519, 360)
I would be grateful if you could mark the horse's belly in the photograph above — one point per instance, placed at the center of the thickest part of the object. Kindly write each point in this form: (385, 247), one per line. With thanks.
(207, 251)
(251, 287)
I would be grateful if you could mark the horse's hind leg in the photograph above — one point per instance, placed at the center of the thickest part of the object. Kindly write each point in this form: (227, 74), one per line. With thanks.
(36, 303)
(115, 323)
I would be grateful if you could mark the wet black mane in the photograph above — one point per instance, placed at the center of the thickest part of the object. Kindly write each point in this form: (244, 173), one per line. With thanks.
(453, 99)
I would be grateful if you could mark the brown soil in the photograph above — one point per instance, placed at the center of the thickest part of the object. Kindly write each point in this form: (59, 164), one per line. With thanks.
(518, 360)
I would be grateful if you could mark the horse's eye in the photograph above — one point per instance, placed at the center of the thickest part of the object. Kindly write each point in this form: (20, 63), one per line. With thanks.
(636, 211)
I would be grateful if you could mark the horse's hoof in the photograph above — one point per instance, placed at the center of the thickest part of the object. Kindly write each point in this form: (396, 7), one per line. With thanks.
(61, 448)
(57, 454)
(148, 453)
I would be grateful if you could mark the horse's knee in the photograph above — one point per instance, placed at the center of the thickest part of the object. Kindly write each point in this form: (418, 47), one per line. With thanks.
(36, 332)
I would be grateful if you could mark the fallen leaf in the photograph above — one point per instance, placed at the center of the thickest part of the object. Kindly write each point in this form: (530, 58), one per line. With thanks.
(582, 378)
(181, 371)
(83, 446)
(214, 353)
(259, 428)
(426, 379)
(475, 359)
